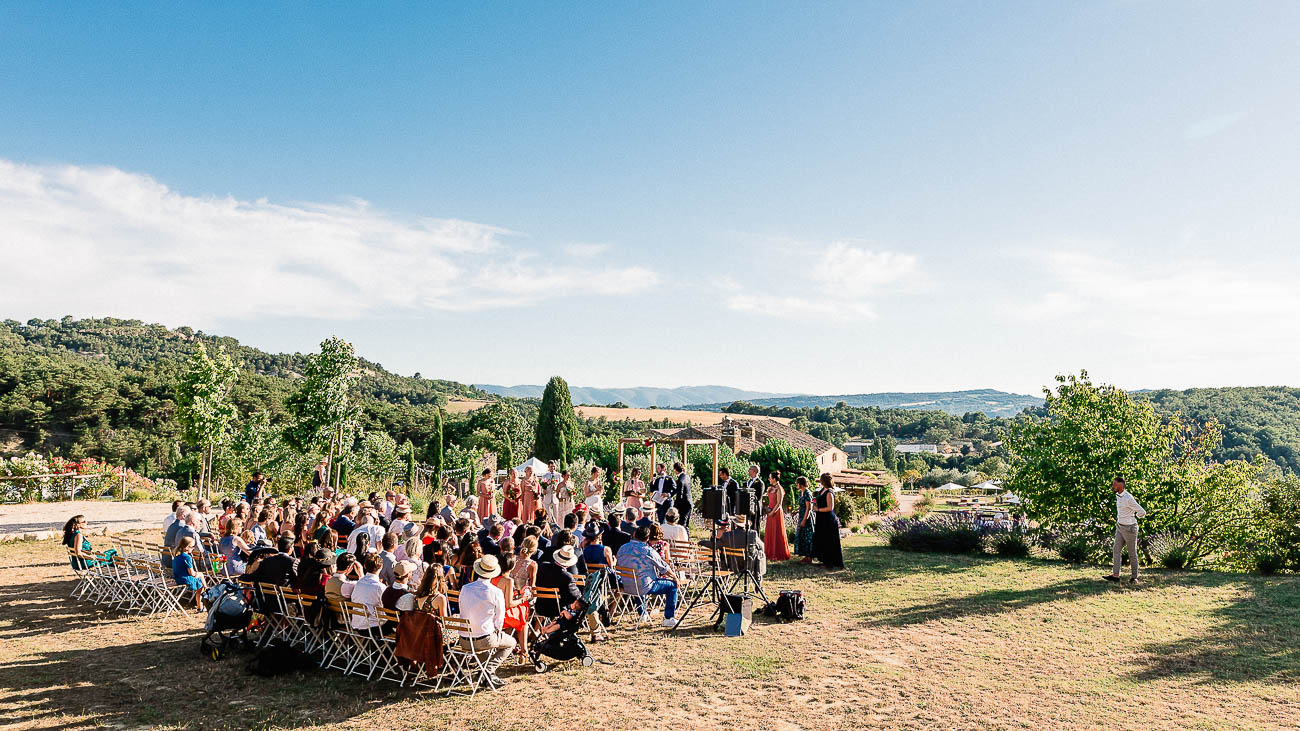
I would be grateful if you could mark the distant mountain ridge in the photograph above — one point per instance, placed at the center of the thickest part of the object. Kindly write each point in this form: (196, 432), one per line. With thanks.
(642, 397)
(990, 401)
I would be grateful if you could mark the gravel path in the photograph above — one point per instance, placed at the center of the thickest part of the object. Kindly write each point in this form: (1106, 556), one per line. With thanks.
(38, 521)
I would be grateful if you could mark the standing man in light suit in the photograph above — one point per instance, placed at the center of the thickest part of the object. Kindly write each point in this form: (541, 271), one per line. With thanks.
(1127, 512)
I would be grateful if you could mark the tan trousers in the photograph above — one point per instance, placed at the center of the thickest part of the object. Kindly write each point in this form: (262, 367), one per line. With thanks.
(1126, 535)
(499, 644)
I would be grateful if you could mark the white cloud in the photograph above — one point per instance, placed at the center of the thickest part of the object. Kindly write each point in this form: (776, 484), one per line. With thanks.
(1211, 126)
(1194, 307)
(585, 251)
(98, 241)
(838, 281)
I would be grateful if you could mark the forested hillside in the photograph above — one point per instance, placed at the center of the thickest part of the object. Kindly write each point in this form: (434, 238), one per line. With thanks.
(1256, 420)
(107, 388)
(988, 401)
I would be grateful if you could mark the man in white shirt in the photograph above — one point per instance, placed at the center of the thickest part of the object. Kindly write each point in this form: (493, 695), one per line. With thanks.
(1127, 512)
(388, 503)
(484, 607)
(369, 591)
(370, 528)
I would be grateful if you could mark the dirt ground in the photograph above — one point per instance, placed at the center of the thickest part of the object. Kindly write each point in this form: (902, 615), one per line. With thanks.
(21, 520)
(896, 641)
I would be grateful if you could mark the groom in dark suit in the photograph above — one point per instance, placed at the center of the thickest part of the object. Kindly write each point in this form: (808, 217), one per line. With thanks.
(663, 484)
(682, 494)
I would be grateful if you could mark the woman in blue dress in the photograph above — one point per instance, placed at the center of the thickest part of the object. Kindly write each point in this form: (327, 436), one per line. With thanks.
(803, 537)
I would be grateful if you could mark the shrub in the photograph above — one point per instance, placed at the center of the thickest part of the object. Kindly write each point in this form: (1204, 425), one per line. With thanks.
(888, 501)
(939, 534)
(1076, 549)
(849, 508)
(1010, 544)
(1170, 550)
(1269, 564)
(138, 495)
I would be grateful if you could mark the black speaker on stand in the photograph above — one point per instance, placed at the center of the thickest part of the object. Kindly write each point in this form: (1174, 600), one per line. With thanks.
(712, 503)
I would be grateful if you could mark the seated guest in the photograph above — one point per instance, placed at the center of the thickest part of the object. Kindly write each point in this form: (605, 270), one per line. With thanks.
(182, 528)
(313, 571)
(260, 526)
(368, 592)
(490, 539)
(184, 572)
(653, 576)
(370, 528)
(673, 530)
(431, 596)
(448, 511)
(399, 588)
(629, 521)
(340, 584)
(594, 551)
(483, 605)
(464, 561)
(401, 518)
(233, 548)
(74, 537)
(614, 537)
(279, 568)
(343, 524)
(388, 545)
(525, 571)
(554, 574)
(470, 512)
(171, 518)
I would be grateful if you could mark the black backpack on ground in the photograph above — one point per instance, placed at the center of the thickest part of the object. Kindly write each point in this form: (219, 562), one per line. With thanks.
(790, 605)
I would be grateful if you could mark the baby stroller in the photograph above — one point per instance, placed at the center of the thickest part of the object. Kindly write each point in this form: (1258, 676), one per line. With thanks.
(229, 616)
(559, 640)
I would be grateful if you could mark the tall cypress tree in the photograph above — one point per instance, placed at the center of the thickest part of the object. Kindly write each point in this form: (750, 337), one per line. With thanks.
(555, 419)
(435, 451)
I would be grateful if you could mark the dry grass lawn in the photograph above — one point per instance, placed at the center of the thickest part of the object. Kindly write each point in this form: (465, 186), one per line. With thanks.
(896, 641)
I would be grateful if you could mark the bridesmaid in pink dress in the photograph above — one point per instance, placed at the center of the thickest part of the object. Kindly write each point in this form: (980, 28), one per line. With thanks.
(528, 497)
(775, 544)
(487, 504)
(635, 490)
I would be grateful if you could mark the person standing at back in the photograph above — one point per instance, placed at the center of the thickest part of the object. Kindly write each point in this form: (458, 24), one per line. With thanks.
(682, 494)
(1127, 512)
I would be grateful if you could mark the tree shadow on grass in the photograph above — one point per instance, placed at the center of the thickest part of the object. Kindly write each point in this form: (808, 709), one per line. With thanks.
(1255, 637)
(46, 607)
(997, 601)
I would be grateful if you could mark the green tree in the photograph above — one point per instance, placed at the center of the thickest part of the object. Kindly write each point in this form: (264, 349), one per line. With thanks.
(434, 450)
(203, 406)
(323, 407)
(259, 446)
(409, 449)
(557, 424)
(793, 462)
(1064, 462)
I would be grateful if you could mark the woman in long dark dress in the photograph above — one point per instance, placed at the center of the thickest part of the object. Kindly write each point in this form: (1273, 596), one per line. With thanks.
(826, 529)
(803, 537)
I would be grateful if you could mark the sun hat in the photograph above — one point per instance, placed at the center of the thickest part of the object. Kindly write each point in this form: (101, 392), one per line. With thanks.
(564, 557)
(591, 531)
(488, 568)
(403, 568)
(402, 510)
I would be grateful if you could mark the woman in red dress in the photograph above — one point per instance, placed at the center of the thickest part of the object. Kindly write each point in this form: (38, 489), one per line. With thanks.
(510, 491)
(775, 545)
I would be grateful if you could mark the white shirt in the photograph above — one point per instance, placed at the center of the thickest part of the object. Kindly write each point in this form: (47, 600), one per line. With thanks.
(674, 532)
(1127, 510)
(483, 606)
(398, 526)
(167, 522)
(387, 508)
(406, 603)
(375, 532)
(370, 592)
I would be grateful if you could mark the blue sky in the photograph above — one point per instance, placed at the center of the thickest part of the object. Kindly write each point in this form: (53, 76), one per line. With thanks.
(826, 198)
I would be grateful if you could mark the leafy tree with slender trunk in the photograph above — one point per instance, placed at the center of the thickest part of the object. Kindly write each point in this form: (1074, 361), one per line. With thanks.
(204, 408)
(323, 407)
(435, 452)
(557, 424)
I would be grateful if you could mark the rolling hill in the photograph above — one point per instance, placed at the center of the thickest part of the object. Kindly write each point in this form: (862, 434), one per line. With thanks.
(640, 397)
(986, 400)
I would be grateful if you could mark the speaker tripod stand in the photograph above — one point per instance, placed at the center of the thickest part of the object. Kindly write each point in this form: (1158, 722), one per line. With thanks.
(713, 586)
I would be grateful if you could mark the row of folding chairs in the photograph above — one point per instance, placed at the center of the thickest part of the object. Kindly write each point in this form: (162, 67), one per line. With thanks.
(123, 583)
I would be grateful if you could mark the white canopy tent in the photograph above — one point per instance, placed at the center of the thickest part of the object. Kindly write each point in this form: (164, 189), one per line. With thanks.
(951, 486)
(1012, 498)
(988, 485)
(539, 467)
